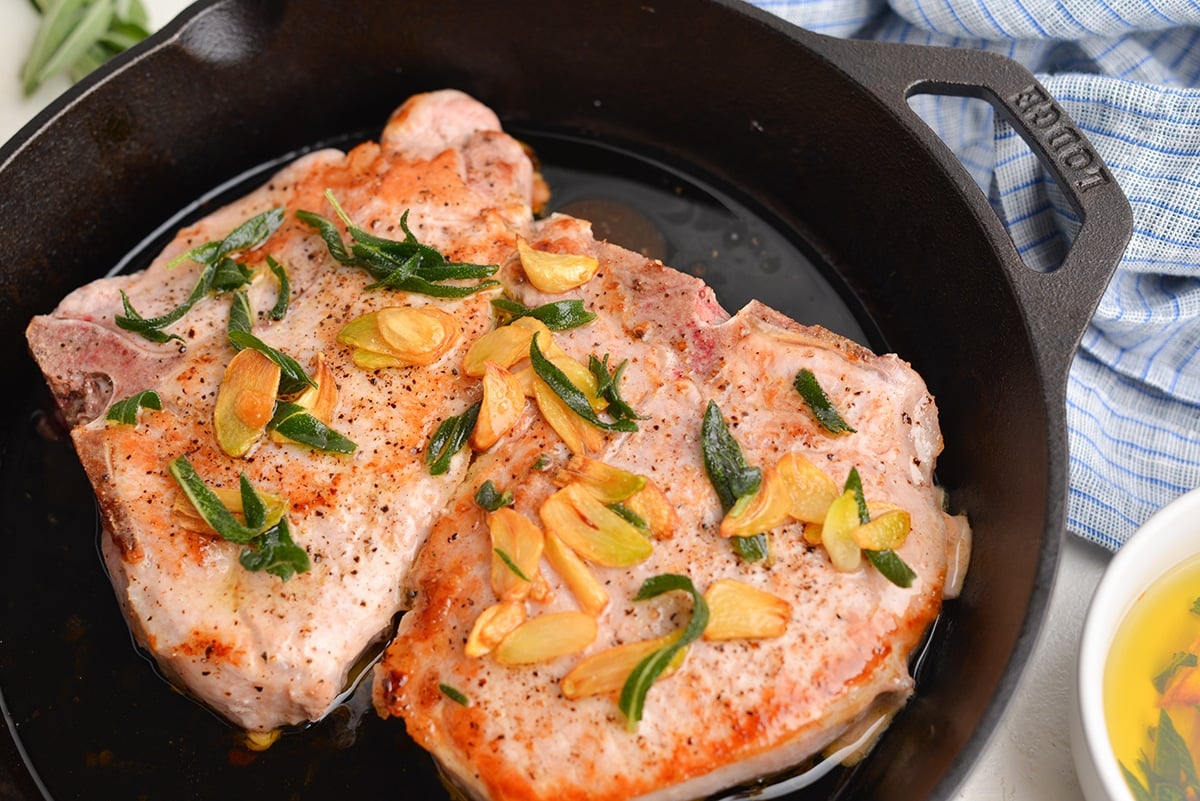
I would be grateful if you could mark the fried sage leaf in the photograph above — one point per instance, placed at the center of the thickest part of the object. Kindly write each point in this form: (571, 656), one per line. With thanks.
(822, 408)
(276, 553)
(402, 264)
(220, 274)
(561, 315)
(454, 694)
(266, 548)
(633, 693)
(292, 377)
(731, 476)
(608, 386)
(208, 505)
(247, 236)
(285, 289)
(125, 412)
(887, 561)
(294, 422)
(241, 316)
(570, 394)
(491, 498)
(449, 439)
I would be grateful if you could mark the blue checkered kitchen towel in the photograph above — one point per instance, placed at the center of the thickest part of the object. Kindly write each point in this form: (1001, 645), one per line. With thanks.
(1128, 71)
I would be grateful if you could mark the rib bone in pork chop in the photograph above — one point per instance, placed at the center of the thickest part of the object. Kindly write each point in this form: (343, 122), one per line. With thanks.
(512, 666)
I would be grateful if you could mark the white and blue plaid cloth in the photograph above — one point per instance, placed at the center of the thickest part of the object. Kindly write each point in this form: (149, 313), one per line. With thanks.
(1128, 71)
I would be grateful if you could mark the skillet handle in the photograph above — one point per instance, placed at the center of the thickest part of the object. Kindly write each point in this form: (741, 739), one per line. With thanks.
(1060, 302)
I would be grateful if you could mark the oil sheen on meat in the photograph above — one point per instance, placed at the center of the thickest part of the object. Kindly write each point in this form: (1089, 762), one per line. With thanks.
(384, 536)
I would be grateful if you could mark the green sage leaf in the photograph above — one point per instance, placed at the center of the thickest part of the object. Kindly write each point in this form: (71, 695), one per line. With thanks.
(570, 394)
(328, 232)
(633, 693)
(511, 565)
(854, 484)
(892, 567)
(454, 694)
(629, 516)
(208, 505)
(724, 461)
(276, 553)
(608, 386)
(125, 412)
(284, 297)
(561, 315)
(401, 264)
(817, 401)
(247, 236)
(294, 422)
(230, 275)
(292, 377)
(491, 498)
(449, 439)
(889, 563)
(254, 510)
(752, 548)
(241, 316)
(734, 480)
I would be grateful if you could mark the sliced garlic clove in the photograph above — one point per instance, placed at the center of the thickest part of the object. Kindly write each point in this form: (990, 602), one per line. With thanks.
(502, 405)
(245, 401)
(555, 272)
(546, 637)
(592, 530)
(738, 611)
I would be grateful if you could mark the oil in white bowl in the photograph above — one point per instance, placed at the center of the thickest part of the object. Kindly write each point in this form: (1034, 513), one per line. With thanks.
(1152, 686)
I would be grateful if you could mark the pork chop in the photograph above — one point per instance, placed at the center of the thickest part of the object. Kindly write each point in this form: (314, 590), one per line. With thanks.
(260, 651)
(736, 709)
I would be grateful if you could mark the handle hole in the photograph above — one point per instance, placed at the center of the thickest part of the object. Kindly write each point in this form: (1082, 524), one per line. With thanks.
(1036, 213)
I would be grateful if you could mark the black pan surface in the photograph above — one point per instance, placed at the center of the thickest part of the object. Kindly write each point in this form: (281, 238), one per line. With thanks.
(791, 157)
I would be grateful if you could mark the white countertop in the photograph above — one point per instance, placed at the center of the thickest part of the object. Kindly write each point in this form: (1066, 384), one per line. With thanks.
(1029, 756)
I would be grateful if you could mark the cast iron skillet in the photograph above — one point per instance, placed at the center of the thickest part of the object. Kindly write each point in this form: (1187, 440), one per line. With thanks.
(813, 134)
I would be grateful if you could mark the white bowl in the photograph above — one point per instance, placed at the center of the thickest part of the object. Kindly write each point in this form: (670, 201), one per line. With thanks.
(1169, 537)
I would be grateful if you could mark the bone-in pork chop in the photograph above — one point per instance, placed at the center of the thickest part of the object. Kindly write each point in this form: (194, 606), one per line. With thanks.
(261, 651)
(504, 727)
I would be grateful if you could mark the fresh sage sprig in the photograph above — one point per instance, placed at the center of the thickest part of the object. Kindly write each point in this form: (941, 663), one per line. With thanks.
(887, 561)
(732, 477)
(820, 405)
(633, 693)
(125, 412)
(560, 315)
(449, 439)
(405, 264)
(221, 273)
(76, 36)
(268, 548)
(570, 394)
